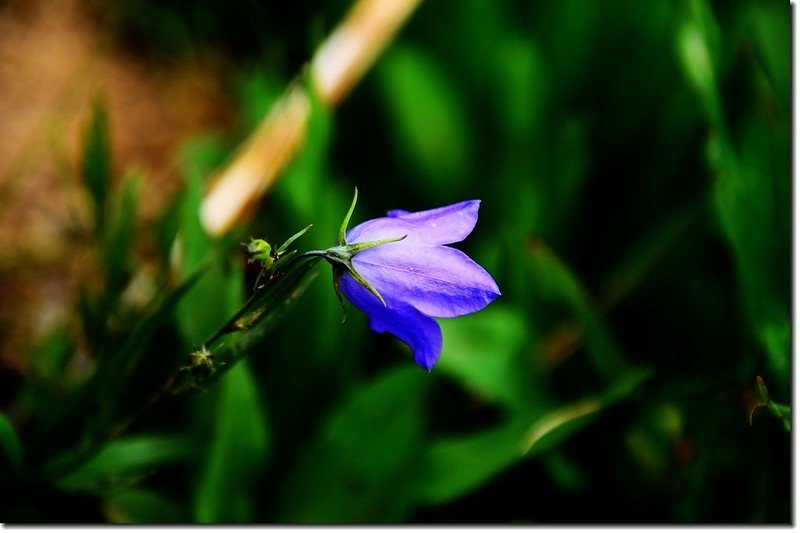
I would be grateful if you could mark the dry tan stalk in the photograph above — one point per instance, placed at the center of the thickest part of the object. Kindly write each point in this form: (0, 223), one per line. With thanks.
(336, 67)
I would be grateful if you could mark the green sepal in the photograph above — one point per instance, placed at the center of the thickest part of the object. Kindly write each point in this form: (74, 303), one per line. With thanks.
(341, 256)
(346, 221)
(291, 239)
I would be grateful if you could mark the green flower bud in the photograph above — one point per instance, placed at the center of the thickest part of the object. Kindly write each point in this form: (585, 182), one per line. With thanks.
(271, 258)
(260, 250)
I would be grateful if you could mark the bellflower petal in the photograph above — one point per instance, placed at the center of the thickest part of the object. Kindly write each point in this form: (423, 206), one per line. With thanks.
(443, 225)
(422, 334)
(398, 271)
(439, 281)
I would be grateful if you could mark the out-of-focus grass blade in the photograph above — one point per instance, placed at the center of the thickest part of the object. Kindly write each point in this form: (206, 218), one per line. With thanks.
(753, 202)
(237, 453)
(455, 466)
(12, 449)
(431, 126)
(258, 89)
(218, 294)
(120, 234)
(97, 160)
(550, 430)
(772, 33)
(646, 252)
(523, 85)
(142, 506)
(556, 282)
(308, 171)
(125, 461)
(698, 49)
(110, 373)
(105, 388)
(444, 476)
(53, 353)
(481, 351)
(361, 467)
(752, 190)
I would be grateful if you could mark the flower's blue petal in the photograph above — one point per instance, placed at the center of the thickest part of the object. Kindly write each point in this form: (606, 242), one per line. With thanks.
(420, 332)
(443, 225)
(439, 213)
(437, 280)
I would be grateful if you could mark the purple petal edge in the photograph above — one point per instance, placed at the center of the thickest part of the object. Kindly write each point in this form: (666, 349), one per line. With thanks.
(420, 332)
(438, 281)
(443, 225)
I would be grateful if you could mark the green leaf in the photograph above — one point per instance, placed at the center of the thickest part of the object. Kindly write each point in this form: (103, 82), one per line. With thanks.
(141, 506)
(551, 430)
(455, 466)
(698, 44)
(237, 453)
(126, 461)
(267, 301)
(753, 202)
(53, 353)
(523, 87)
(480, 351)
(489, 452)
(9, 442)
(120, 234)
(431, 128)
(258, 90)
(97, 160)
(777, 339)
(308, 171)
(361, 467)
(648, 251)
(772, 33)
(252, 323)
(216, 295)
(558, 283)
(111, 382)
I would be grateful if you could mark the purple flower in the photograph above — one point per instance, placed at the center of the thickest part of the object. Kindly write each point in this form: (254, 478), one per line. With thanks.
(409, 277)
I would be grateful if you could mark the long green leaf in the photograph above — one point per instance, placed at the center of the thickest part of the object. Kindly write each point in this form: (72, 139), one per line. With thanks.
(117, 251)
(481, 352)
(104, 389)
(97, 160)
(9, 442)
(361, 467)
(124, 461)
(444, 475)
(237, 453)
(250, 325)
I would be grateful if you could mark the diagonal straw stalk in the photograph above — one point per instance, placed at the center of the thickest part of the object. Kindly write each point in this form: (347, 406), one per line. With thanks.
(337, 66)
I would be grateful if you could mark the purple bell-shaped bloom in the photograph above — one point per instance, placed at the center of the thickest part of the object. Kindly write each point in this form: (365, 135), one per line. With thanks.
(417, 277)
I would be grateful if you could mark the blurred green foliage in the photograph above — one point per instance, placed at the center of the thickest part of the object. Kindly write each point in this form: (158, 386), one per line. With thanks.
(633, 163)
